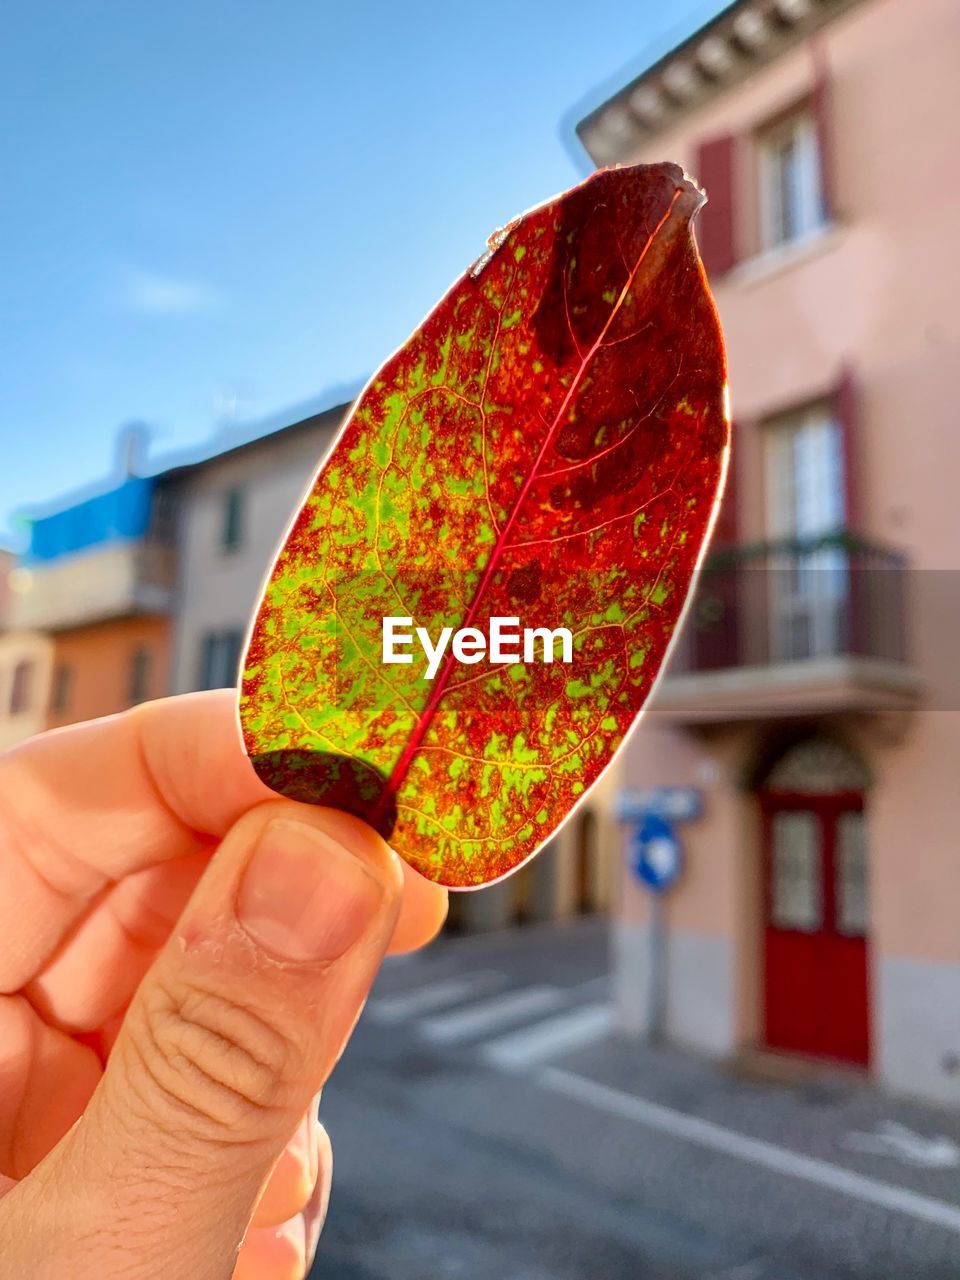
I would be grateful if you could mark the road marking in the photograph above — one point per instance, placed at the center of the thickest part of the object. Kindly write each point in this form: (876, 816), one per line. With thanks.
(488, 1015)
(530, 1046)
(704, 1133)
(426, 999)
(893, 1139)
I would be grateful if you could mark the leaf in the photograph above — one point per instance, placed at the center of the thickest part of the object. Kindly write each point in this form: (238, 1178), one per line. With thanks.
(547, 446)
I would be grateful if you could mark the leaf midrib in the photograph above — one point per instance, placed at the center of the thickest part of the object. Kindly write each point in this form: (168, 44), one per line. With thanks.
(442, 679)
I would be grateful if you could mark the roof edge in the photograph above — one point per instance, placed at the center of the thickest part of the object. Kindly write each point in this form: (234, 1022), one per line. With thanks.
(743, 37)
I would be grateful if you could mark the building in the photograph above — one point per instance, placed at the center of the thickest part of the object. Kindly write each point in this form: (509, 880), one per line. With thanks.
(811, 701)
(145, 586)
(232, 510)
(96, 584)
(25, 664)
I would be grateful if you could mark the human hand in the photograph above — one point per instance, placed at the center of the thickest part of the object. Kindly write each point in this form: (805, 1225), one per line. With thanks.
(182, 959)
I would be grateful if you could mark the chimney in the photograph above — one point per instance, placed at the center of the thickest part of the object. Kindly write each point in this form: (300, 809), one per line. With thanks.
(130, 453)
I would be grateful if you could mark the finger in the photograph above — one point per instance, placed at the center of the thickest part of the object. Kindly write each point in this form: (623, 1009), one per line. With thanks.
(274, 1253)
(229, 1037)
(92, 976)
(83, 807)
(279, 1250)
(300, 1182)
(46, 1080)
(291, 1181)
(315, 1213)
(423, 914)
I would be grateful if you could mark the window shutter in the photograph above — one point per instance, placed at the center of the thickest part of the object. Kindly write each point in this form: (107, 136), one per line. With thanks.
(821, 105)
(716, 624)
(715, 222)
(233, 650)
(847, 402)
(726, 531)
(208, 654)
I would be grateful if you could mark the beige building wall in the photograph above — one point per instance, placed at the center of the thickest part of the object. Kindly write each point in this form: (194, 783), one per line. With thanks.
(219, 588)
(876, 291)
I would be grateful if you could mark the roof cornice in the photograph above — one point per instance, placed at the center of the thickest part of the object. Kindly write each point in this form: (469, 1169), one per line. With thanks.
(745, 36)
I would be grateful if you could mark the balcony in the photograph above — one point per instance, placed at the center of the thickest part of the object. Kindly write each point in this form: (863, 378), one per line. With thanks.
(793, 628)
(109, 555)
(114, 580)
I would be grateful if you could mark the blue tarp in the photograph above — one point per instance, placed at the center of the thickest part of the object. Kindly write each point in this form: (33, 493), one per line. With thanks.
(120, 515)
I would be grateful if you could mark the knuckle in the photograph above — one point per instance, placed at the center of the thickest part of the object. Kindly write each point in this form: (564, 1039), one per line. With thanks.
(214, 1061)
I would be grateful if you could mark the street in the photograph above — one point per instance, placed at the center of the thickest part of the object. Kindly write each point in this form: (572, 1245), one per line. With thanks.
(487, 1122)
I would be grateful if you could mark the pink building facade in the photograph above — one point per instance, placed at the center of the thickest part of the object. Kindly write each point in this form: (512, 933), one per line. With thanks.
(812, 701)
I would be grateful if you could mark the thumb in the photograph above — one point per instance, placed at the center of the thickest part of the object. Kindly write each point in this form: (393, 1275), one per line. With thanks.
(229, 1037)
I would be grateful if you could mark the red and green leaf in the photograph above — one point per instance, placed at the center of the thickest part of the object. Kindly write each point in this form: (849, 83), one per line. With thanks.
(548, 445)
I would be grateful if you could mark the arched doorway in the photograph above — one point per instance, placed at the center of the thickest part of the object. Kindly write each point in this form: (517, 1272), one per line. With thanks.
(816, 906)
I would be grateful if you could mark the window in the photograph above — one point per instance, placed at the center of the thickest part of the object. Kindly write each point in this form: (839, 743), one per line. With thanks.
(852, 891)
(805, 482)
(234, 511)
(220, 658)
(21, 688)
(61, 688)
(140, 670)
(806, 503)
(796, 880)
(792, 206)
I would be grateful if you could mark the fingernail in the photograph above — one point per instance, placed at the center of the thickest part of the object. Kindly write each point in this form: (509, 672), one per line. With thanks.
(304, 896)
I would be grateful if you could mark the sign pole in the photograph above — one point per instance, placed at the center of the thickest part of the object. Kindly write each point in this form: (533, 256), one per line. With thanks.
(656, 858)
(657, 1014)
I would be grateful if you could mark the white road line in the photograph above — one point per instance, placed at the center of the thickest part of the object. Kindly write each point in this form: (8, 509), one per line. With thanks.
(428, 998)
(704, 1133)
(488, 1015)
(530, 1046)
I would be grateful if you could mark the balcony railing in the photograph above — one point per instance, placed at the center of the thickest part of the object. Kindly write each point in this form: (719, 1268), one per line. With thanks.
(784, 602)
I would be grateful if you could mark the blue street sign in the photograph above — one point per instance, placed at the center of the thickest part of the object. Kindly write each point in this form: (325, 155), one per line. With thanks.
(656, 857)
(676, 804)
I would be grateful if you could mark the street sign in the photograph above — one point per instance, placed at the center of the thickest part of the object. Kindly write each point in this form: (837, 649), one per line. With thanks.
(656, 857)
(676, 804)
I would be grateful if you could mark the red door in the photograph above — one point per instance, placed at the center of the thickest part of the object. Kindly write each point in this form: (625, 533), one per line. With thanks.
(816, 998)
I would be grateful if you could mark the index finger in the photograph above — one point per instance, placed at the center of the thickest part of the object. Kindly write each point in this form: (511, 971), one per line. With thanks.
(84, 806)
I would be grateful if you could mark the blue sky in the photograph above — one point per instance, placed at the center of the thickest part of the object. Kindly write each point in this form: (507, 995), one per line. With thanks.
(216, 211)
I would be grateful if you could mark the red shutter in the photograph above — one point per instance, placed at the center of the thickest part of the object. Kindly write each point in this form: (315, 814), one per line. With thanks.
(717, 621)
(715, 222)
(821, 101)
(847, 408)
(725, 531)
